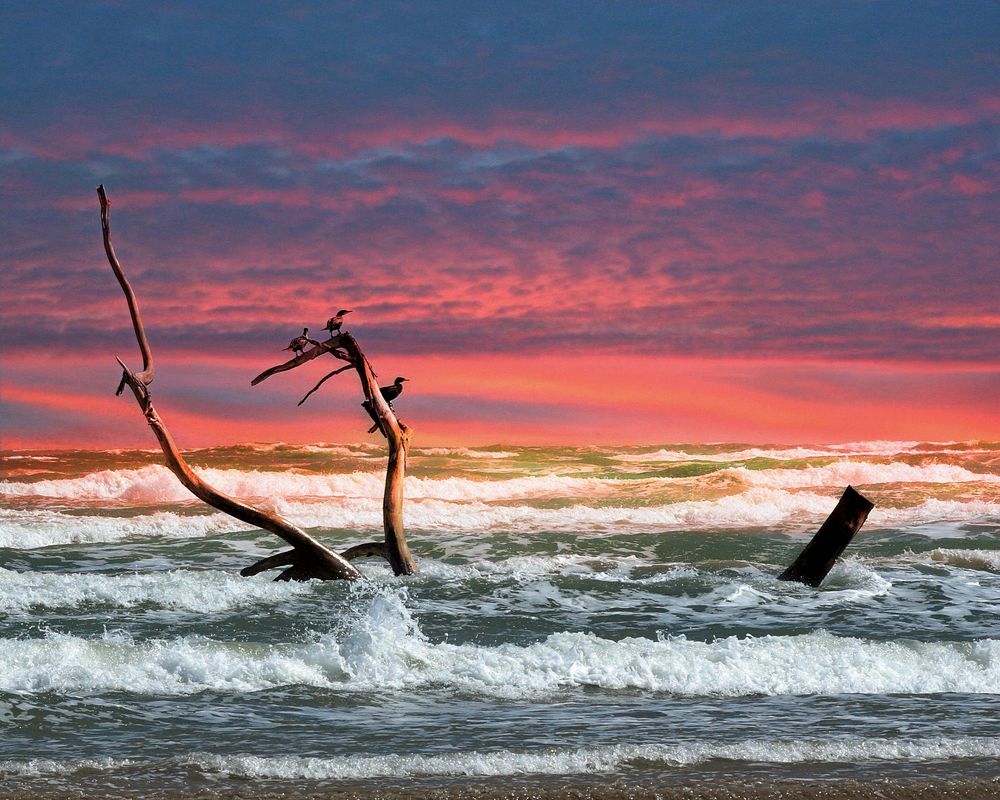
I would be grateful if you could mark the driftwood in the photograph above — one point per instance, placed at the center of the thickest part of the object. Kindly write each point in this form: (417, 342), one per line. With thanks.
(344, 346)
(818, 557)
(307, 558)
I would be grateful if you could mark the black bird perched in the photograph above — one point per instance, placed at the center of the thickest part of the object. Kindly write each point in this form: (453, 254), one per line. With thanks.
(390, 393)
(298, 344)
(333, 324)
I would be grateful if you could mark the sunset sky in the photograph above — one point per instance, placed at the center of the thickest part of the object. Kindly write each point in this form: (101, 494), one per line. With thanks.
(569, 223)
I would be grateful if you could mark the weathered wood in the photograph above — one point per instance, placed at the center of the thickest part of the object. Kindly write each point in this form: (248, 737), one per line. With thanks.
(366, 550)
(818, 557)
(329, 346)
(282, 559)
(371, 413)
(311, 559)
(343, 345)
(146, 376)
(323, 380)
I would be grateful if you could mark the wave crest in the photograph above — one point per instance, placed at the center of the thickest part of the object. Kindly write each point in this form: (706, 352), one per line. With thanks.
(384, 649)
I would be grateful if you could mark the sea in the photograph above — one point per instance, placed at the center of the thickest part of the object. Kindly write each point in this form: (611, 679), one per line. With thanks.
(581, 614)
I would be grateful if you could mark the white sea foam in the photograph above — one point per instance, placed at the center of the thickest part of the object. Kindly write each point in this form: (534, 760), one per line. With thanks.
(880, 447)
(467, 452)
(384, 649)
(672, 456)
(988, 560)
(618, 570)
(41, 767)
(851, 579)
(549, 761)
(869, 449)
(205, 591)
(754, 508)
(213, 591)
(156, 484)
(31, 528)
(611, 758)
(842, 473)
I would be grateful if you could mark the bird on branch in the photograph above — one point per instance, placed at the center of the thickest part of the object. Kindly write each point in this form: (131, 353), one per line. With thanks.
(298, 344)
(333, 324)
(389, 393)
(393, 391)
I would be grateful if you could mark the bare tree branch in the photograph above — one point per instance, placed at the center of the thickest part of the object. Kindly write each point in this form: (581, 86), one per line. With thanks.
(311, 559)
(323, 380)
(343, 345)
(146, 376)
(281, 559)
(367, 550)
(298, 361)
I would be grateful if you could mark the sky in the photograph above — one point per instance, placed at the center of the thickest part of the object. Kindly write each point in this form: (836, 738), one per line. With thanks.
(565, 222)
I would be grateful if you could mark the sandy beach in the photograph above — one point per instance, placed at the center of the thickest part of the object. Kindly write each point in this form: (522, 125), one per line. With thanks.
(758, 790)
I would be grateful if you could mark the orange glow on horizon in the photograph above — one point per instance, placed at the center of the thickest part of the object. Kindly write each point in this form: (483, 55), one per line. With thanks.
(568, 399)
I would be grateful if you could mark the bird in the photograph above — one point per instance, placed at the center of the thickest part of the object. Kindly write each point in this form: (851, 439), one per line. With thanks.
(298, 344)
(333, 324)
(391, 392)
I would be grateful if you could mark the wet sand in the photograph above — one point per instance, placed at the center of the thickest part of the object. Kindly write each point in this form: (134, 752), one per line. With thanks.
(755, 790)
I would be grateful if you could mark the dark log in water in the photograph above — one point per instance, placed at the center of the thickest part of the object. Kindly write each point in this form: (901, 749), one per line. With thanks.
(308, 558)
(819, 556)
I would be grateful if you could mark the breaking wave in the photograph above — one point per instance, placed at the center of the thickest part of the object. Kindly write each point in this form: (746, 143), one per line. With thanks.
(28, 529)
(776, 509)
(785, 454)
(466, 452)
(868, 449)
(842, 473)
(384, 649)
(988, 560)
(550, 761)
(156, 484)
(206, 591)
(40, 767)
(611, 758)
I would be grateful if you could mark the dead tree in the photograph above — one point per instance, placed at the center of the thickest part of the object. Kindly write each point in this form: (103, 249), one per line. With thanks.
(344, 347)
(307, 557)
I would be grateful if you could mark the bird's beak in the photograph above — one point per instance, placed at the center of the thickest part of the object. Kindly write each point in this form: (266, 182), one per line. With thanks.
(349, 311)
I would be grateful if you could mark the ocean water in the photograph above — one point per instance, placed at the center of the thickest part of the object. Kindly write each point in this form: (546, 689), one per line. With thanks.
(580, 614)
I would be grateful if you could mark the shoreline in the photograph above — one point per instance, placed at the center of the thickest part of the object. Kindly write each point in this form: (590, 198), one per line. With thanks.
(788, 789)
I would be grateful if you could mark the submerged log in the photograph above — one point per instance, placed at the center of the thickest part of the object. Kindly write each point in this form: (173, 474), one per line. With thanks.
(307, 558)
(818, 557)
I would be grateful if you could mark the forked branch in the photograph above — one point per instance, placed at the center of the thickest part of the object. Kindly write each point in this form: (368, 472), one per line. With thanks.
(329, 346)
(308, 558)
(344, 346)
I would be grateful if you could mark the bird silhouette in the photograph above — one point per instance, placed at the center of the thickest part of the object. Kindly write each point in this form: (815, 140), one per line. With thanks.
(394, 390)
(298, 344)
(333, 324)
(389, 393)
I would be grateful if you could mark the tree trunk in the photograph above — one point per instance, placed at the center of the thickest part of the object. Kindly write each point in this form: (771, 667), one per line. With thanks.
(818, 557)
(345, 347)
